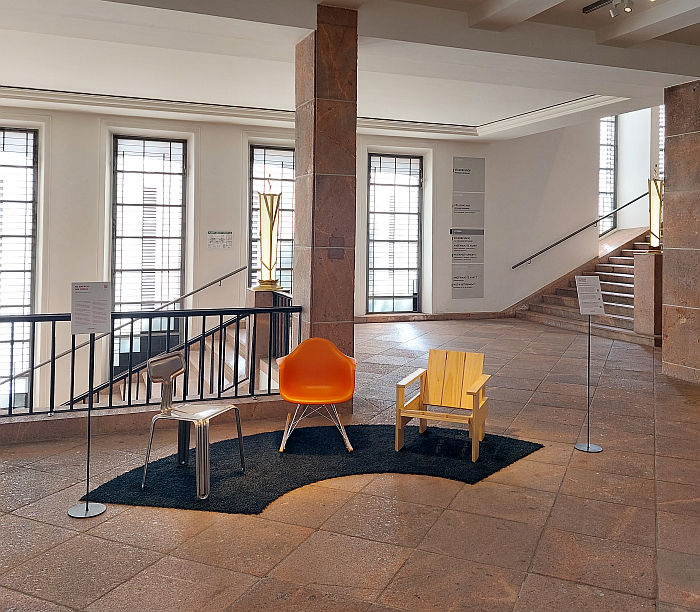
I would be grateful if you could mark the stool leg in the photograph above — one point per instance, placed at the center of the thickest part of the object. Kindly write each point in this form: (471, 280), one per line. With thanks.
(240, 438)
(201, 431)
(148, 451)
(183, 442)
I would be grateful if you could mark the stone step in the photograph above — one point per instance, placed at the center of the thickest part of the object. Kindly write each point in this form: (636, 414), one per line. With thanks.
(625, 310)
(604, 331)
(615, 269)
(625, 261)
(570, 291)
(641, 246)
(612, 277)
(610, 297)
(617, 287)
(566, 312)
(631, 252)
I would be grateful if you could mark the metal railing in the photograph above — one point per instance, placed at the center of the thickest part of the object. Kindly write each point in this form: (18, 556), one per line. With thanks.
(229, 352)
(578, 231)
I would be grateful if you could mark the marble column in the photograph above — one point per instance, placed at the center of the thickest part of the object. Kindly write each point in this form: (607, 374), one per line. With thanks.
(324, 226)
(681, 268)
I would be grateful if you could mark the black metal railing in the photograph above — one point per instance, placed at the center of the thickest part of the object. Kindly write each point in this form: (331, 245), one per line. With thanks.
(578, 231)
(229, 352)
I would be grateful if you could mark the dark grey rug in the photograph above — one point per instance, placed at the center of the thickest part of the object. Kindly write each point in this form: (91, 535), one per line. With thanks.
(312, 454)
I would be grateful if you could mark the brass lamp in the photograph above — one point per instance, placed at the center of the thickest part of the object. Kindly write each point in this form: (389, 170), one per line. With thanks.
(269, 229)
(656, 189)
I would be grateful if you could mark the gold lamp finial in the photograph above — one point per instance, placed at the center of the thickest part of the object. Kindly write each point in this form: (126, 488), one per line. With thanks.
(269, 230)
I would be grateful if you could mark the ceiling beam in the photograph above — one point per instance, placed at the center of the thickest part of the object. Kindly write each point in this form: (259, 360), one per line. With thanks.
(499, 15)
(628, 30)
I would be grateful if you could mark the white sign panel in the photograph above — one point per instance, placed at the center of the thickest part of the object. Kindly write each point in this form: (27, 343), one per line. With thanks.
(467, 281)
(90, 308)
(468, 209)
(590, 295)
(468, 174)
(467, 245)
(219, 240)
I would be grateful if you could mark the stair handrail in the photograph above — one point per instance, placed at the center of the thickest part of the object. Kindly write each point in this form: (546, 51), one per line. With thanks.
(87, 342)
(578, 231)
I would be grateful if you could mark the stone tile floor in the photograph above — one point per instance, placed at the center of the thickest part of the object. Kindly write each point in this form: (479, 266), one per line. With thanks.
(562, 530)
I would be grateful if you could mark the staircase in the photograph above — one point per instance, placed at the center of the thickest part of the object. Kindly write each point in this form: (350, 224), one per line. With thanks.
(560, 308)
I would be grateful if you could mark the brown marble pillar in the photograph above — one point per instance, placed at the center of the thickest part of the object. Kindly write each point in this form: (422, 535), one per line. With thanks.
(681, 269)
(324, 231)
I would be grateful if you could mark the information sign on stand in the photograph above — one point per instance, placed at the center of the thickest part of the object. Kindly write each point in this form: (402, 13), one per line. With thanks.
(590, 302)
(91, 313)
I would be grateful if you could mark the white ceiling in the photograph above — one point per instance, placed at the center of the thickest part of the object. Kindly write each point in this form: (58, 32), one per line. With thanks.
(417, 63)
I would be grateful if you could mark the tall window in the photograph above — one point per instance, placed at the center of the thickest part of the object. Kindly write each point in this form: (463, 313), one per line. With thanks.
(394, 241)
(607, 201)
(18, 204)
(148, 216)
(272, 170)
(662, 140)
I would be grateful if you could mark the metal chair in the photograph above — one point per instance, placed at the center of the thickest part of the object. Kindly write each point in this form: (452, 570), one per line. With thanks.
(316, 374)
(164, 369)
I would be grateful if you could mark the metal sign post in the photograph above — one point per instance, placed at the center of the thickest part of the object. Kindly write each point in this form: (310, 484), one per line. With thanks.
(590, 302)
(91, 312)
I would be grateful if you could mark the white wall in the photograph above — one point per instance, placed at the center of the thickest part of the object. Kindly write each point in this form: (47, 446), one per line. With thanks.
(538, 189)
(634, 159)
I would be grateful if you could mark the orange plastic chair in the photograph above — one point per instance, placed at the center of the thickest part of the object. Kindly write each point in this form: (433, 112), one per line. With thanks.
(316, 374)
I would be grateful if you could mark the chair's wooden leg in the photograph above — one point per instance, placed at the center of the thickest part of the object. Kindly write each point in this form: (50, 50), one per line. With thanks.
(423, 425)
(485, 413)
(398, 445)
(285, 434)
(474, 435)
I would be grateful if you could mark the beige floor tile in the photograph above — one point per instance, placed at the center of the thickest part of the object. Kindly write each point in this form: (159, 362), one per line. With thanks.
(14, 601)
(672, 469)
(279, 596)
(527, 428)
(616, 439)
(613, 488)
(342, 564)
(615, 462)
(414, 488)
(176, 584)
(21, 486)
(608, 564)
(681, 448)
(383, 519)
(78, 571)
(679, 533)
(531, 475)
(430, 582)
(542, 593)
(23, 538)
(353, 484)
(483, 539)
(557, 453)
(159, 529)
(604, 520)
(246, 544)
(71, 463)
(679, 578)
(53, 509)
(505, 502)
(27, 453)
(678, 498)
(307, 506)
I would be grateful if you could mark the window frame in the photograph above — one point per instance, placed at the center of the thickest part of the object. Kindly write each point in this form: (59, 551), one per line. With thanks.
(419, 265)
(251, 194)
(615, 167)
(183, 235)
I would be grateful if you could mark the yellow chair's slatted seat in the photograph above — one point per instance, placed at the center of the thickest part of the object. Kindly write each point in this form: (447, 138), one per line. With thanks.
(451, 380)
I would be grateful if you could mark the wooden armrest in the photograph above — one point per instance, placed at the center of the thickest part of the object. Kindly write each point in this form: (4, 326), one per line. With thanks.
(478, 384)
(411, 378)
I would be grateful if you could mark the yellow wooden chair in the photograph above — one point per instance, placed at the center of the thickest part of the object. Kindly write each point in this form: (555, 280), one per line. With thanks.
(451, 380)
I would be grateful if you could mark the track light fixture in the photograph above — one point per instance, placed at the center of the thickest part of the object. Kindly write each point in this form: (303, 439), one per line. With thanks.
(615, 10)
(628, 6)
